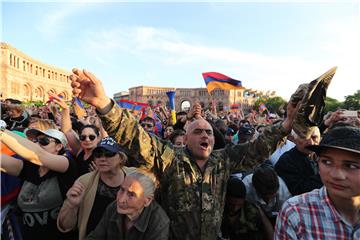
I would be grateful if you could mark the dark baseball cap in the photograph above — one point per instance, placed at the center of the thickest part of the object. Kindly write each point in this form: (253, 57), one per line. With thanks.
(246, 129)
(343, 137)
(109, 144)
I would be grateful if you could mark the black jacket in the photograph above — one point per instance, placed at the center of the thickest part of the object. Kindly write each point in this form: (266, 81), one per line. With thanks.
(295, 169)
(153, 223)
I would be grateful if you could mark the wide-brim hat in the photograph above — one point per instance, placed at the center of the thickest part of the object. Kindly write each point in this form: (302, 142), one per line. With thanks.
(346, 138)
(53, 133)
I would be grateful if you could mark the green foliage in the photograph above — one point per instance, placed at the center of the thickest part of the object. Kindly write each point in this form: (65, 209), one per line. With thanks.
(272, 103)
(258, 102)
(331, 104)
(34, 103)
(352, 101)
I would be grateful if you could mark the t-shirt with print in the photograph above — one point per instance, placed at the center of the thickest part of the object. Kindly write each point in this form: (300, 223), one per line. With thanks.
(104, 196)
(40, 200)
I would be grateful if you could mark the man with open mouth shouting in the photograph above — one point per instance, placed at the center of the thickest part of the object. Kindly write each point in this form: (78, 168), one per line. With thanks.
(192, 179)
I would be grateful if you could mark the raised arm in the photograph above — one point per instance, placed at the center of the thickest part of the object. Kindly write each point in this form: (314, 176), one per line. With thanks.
(120, 124)
(260, 149)
(10, 165)
(66, 126)
(33, 152)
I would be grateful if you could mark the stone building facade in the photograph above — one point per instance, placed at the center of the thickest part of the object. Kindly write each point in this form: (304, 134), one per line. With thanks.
(185, 97)
(27, 79)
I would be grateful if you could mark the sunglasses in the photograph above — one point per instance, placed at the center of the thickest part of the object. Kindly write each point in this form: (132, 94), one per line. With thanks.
(199, 131)
(147, 125)
(91, 137)
(44, 141)
(105, 153)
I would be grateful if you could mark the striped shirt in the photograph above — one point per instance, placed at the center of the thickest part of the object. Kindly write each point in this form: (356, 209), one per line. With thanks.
(312, 216)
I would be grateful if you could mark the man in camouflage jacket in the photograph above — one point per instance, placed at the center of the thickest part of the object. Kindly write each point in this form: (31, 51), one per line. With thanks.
(193, 179)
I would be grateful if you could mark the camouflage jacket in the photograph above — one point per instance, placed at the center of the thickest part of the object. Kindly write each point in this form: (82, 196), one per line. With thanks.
(194, 200)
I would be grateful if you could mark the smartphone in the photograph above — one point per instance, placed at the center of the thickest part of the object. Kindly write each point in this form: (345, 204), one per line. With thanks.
(349, 113)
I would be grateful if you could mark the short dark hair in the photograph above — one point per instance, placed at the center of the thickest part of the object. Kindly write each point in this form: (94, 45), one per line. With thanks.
(13, 101)
(181, 113)
(265, 180)
(95, 128)
(149, 119)
(175, 134)
(235, 188)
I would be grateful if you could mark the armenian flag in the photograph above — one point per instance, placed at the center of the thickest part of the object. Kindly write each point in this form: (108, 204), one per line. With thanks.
(214, 80)
(135, 106)
(262, 108)
(78, 108)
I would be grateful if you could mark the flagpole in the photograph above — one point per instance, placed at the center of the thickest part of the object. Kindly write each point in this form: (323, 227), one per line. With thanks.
(234, 96)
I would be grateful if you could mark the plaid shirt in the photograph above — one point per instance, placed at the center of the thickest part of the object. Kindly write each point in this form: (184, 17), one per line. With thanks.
(313, 216)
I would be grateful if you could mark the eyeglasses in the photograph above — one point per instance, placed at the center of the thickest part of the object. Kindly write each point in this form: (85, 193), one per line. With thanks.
(91, 137)
(149, 125)
(199, 131)
(44, 141)
(105, 153)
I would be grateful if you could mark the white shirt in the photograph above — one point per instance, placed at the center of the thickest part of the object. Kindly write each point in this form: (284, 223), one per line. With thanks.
(274, 205)
(280, 151)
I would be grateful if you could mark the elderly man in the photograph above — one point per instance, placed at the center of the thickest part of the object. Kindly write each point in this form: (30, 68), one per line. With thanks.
(333, 211)
(297, 166)
(193, 179)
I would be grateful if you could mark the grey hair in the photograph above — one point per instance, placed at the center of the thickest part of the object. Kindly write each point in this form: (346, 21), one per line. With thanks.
(146, 178)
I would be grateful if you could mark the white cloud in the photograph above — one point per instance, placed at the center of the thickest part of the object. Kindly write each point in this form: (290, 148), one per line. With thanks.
(168, 47)
(54, 22)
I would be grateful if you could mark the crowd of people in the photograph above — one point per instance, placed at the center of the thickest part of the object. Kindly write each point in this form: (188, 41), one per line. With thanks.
(112, 174)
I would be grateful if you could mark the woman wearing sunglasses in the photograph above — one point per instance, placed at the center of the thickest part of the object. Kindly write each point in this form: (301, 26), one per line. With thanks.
(47, 175)
(83, 144)
(88, 198)
(89, 138)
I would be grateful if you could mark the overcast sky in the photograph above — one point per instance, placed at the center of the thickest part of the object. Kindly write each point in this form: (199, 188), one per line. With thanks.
(267, 45)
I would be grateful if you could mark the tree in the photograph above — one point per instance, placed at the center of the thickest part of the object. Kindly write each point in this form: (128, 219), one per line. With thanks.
(331, 104)
(352, 101)
(34, 103)
(257, 103)
(274, 103)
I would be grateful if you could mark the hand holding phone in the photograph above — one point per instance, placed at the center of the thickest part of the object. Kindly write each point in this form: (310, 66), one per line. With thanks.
(348, 113)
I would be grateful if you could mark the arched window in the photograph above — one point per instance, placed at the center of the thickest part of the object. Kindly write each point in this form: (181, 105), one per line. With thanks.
(27, 90)
(64, 94)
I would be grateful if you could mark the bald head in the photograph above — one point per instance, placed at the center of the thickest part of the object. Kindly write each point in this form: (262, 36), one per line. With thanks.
(200, 139)
(198, 123)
